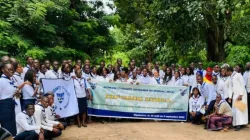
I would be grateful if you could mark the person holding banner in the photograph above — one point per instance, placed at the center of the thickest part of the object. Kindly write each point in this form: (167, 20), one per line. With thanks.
(82, 89)
(196, 103)
(178, 80)
(104, 76)
(146, 79)
(168, 78)
(54, 73)
(157, 77)
(66, 72)
(134, 79)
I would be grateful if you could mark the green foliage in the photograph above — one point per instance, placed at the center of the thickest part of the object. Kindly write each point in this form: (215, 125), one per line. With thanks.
(238, 55)
(36, 53)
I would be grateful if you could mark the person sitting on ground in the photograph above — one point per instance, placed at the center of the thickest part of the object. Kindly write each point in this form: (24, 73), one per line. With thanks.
(222, 117)
(195, 105)
(27, 129)
(52, 129)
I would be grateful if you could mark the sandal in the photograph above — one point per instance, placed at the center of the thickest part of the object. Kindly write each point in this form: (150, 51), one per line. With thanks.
(225, 129)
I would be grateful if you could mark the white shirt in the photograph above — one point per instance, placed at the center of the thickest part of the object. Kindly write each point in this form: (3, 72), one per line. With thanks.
(26, 123)
(178, 82)
(184, 79)
(17, 78)
(147, 80)
(25, 69)
(220, 88)
(80, 87)
(216, 74)
(50, 113)
(101, 78)
(158, 80)
(246, 77)
(52, 74)
(203, 72)
(42, 118)
(207, 91)
(7, 88)
(133, 81)
(169, 82)
(28, 92)
(67, 76)
(191, 79)
(195, 104)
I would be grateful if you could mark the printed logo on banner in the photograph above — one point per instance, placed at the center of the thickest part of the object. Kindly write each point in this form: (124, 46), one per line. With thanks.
(61, 92)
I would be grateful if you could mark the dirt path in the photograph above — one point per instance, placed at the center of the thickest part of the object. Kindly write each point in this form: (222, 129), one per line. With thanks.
(149, 131)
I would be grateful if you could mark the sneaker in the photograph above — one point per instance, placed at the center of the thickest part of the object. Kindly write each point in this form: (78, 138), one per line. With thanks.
(237, 128)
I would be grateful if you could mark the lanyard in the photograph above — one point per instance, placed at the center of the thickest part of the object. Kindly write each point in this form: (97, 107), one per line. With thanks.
(158, 80)
(57, 74)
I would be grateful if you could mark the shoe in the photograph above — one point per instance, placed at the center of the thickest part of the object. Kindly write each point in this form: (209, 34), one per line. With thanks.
(84, 125)
(79, 126)
(237, 128)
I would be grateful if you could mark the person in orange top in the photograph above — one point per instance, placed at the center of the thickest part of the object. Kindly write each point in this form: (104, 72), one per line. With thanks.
(208, 76)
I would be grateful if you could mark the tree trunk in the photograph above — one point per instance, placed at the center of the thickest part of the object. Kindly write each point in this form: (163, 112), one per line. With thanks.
(215, 44)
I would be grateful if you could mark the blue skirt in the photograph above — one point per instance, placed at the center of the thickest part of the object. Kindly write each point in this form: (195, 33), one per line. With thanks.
(7, 115)
(82, 105)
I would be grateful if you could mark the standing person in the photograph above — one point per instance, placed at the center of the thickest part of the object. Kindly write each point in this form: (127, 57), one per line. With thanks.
(104, 76)
(117, 77)
(5, 59)
(100, 69)
(93, 72)
(134, 79)
(219, 86)
(17, 78)
(246, 77)
(208, 92)
(87, 73)
(52, 129)
(177, 79)
(200, 69)
(29, 91)
(173, 67)
(54, 73)
(124, 74)
(196, 102)
(119, 63)
(226, 81)
(216, 71)
(66, 72)
(47, 64)
(7, 105)
(70, 62)
(208, 76)
(184, 76)
(29, 61)
(143, 65)
(64, 62)
(157, 77)
(237, 93)
(79, 62)
(168, 78)
(221, 116)
(163, 70)
(82, 88)
(192, 65)
(36, 67)
(146, 79)
(27, 129)
(138, 72)
(87, 62)
(239, 68)
(190, 77)
(110, 68)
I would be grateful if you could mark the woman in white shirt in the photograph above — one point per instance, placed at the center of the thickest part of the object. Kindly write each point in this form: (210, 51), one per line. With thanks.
(190, 78)
(7, 104)
(29, 91)
(82, 88)
(184, 76)
(157, 77)
(146, 79)
(196, 102)
(168, 78)
(117, 77)
(66, 72)
(177, 79)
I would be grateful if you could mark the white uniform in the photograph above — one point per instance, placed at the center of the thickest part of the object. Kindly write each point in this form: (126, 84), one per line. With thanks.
(26, 123)
(42, 118)
(25, 69)
(184, 79)
(50, 113)
(207, 91)
(80, 87)
(236, 89)
(169, 82)
(18, 81)
(158, 80)
(101, 78)
(220, 88)
(178, 82)
(28, 92)
(7, 88)
(195, 104)
(51, 74)
(246, 77)
(216, 74)
(133, 81)
(147, 80)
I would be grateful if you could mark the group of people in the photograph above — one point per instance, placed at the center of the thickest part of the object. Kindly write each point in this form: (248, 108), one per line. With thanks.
(218, 94)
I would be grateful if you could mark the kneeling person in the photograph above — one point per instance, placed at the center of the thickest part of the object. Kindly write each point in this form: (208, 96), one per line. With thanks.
(27, 129)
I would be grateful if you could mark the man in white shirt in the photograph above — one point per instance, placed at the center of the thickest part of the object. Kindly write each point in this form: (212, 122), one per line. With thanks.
(237, 93)
(51, 128)
(208, 92)
(54, 73)
(216, 71)
(29, 65)
(219, 86)
(27, 129)
(246, 77)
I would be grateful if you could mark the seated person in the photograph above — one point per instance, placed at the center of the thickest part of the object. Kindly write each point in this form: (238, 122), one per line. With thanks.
(27, 129)
(50, 110)
(222, 117)
(196, 102)
(51, 128)
(5, 134)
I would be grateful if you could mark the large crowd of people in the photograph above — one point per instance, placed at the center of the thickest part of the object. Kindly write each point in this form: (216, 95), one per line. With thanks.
(218, 96)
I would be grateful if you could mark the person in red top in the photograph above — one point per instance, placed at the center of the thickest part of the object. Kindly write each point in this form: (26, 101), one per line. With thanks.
(208, 76)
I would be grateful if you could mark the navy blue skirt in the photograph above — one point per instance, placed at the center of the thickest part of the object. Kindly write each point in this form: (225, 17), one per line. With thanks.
(7, 115)
(82, 105)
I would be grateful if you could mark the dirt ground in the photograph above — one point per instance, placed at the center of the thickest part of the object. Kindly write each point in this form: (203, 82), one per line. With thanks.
(149, 131)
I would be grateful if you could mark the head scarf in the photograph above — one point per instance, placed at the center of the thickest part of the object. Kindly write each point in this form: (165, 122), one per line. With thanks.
(209, 77)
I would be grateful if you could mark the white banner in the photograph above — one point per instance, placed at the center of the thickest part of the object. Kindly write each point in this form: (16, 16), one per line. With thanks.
(65, 97)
